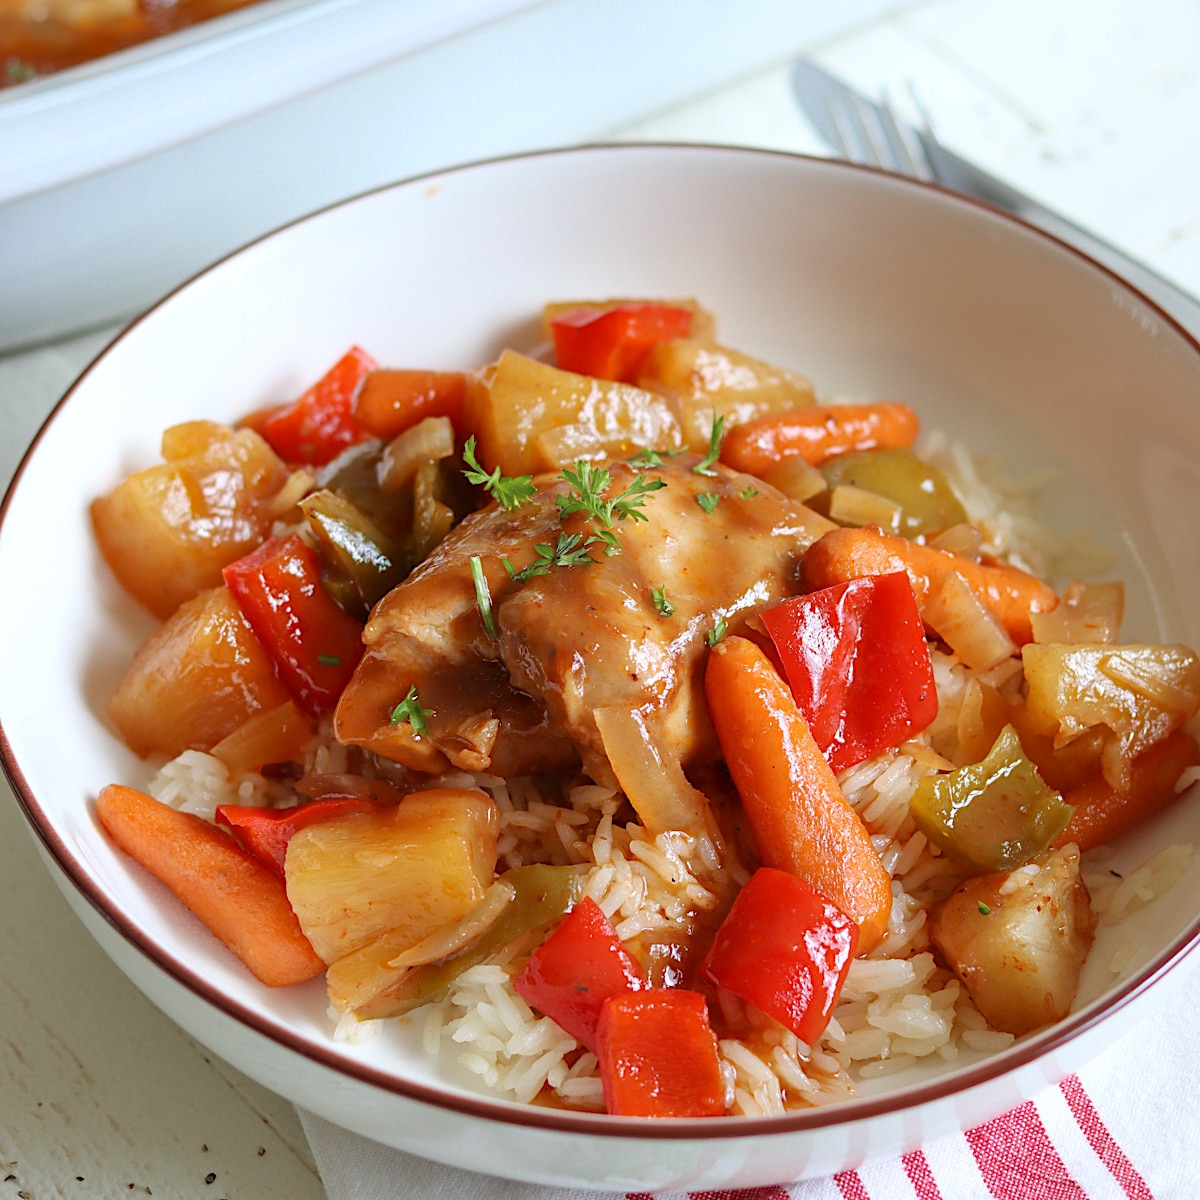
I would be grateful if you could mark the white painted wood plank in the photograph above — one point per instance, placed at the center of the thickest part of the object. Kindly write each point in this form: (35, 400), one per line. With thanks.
(758, 111)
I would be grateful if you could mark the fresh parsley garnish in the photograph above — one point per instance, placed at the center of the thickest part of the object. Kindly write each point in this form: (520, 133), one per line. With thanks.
(570, 550)
(707, 500)
(664, 606)
(409, 709)
(483, 598)
(647, 458)
(748, 493)
(329, 660)
(508, 491)
(705, 465)
(587, 485)
(717, 632)
(609, 540)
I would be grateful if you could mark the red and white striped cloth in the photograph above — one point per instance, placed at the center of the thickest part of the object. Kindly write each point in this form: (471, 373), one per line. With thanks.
(1126, 1127)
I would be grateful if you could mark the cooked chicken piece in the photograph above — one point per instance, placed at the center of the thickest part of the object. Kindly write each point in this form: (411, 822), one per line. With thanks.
(1018, 939)
(576, 639)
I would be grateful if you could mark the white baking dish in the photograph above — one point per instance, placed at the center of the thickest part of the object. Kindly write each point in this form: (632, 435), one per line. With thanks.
(121, 178)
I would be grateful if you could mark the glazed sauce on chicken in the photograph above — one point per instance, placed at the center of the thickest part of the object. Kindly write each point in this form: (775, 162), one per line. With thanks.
(574, 640)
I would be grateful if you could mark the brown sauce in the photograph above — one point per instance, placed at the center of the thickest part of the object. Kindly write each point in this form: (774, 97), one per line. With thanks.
(62, 36)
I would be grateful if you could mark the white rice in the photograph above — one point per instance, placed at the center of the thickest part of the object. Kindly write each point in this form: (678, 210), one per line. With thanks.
(199, 783)
(505, 1043)
(349, 1028)
(1116, 897)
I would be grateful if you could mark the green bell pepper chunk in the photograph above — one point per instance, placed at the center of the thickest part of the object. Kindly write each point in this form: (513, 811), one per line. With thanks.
(928, 503)
(992, 815)
(366, 563)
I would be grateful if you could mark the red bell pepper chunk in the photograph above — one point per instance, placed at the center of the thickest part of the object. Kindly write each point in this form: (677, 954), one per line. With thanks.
(576, 969)
(858, 664)
(265, 832)
(610, 343)
(316, 428)
(315, 643)
(658, 1055)
(785, 949)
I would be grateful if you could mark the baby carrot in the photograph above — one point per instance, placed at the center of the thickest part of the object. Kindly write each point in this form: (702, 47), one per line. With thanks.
(242, 902)
(1102, 812)
(801, 821)
(817, 434)
(1009, 593)
(391, 400)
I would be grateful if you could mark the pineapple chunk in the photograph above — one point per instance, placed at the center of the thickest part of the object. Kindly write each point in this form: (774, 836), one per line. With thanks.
(275, 736)
(195, 680)
(403, 873)
(1140, 694)
(365, 978)
(167, 531)
(703, 378)
(517, 402)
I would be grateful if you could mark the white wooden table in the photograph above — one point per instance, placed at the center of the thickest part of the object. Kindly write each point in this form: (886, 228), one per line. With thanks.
(1094, 107)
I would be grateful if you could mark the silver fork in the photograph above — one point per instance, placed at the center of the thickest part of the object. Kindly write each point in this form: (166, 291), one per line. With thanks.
(872, 134)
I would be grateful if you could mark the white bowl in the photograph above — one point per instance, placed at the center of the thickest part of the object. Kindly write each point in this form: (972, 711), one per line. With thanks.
(871, 285)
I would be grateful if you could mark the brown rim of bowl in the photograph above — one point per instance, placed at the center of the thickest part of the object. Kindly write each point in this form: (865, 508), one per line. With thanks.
(559, 1120)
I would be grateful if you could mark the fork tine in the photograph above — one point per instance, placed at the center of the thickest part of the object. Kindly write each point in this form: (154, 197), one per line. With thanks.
(862, 137)
(930, 146)
(907, 146)
(849, 134)
(876, 137)
(926, 120)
